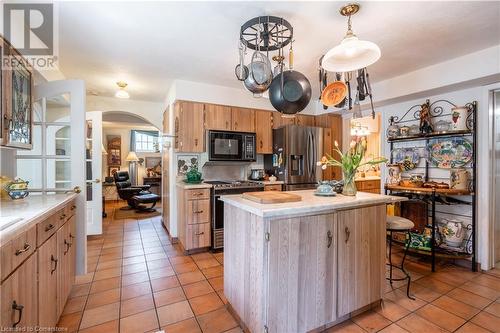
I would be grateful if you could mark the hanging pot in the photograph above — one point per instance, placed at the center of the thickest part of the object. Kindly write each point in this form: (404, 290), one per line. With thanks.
(260, 74)
(290, 92)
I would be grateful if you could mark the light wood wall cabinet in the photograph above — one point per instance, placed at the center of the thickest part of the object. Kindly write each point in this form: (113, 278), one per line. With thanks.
(193, 207)
(218, 117)
(264, 131)
(334, 124)
(189, 127)
(39, 272)
(193, 118)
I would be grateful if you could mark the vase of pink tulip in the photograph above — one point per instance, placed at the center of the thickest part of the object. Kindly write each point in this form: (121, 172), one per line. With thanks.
(350, 162)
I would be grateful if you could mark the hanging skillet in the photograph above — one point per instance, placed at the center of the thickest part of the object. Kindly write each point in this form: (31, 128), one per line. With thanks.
(290, 91)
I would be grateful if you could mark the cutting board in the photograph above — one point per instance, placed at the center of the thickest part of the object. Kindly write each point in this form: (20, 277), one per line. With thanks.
(272, 197)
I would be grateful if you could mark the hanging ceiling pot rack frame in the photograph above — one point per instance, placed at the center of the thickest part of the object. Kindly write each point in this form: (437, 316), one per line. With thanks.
(275, 33)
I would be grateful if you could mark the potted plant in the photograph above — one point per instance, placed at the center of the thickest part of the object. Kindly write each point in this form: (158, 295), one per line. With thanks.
(350, 162)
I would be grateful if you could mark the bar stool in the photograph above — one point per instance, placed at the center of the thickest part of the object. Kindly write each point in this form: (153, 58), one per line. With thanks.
(399, 224)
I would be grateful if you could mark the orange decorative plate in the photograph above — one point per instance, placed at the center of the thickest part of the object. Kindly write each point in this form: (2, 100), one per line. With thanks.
(334, 93)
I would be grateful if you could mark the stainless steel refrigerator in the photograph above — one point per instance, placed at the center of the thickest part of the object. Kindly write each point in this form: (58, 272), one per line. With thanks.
(296, 149)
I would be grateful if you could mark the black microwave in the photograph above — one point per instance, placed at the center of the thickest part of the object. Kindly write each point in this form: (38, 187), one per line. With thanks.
(231, 146)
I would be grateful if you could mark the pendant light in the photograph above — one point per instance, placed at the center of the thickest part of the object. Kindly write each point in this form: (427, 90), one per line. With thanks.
(122, 93)
(352, 53)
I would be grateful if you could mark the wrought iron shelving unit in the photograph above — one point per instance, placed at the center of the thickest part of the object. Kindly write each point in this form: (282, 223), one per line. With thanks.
(433, 195)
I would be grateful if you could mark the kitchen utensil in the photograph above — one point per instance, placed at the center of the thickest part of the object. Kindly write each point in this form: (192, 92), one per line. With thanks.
(260, 74)
(453, 232)
(241, 71)
(459, 179)
(290, 91)
(449, 153)
(257, 174)
(417, 179)
(334, 93)
(459, 118)
(324, 187)
(349, 92)
(271, 197)
(442, 126)
(394, 171)
(330, 194)
(361, 84)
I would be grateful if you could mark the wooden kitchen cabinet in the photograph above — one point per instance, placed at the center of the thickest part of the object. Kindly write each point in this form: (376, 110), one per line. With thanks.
(368, 185)
(264, 131)
(302, 261)
(304, 120)
(243, 120)
(273, 187)
(48, 271)
(64, 280)
(330, 172)
(19, 298)
(333, 123)
(218, 117)
(189, 127)
(194, 214)
(361, 257)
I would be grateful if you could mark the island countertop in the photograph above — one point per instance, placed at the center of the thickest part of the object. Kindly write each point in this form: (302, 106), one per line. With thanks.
(310, 204)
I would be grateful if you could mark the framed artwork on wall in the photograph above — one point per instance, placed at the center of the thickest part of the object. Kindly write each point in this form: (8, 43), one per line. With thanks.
(112, 170)
(114, 150)
(153, 165)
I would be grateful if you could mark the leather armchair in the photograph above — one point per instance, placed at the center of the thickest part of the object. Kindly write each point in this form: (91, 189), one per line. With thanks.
(125, 189)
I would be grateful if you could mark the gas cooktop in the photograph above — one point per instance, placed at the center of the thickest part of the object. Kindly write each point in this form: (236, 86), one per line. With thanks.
(224, 184)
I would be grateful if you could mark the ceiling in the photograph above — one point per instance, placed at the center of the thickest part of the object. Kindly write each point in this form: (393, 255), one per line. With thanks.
(150, 44)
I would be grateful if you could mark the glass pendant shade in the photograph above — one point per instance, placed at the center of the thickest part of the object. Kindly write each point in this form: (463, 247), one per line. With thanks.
(351, 54)
(122, 94)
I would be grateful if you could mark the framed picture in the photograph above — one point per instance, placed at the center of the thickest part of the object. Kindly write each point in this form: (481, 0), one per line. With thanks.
(112, 170)
(152, 162)
(114, 150)
(184, 162)
(20, 82)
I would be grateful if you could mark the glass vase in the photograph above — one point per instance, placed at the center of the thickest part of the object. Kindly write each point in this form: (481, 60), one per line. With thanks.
(349, 183)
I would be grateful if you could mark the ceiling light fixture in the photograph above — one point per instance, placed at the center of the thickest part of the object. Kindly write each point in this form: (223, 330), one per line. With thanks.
(122, 93)
(352, 53)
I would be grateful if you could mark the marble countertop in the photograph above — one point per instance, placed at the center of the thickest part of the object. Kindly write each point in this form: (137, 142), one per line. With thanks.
(268, 182)
(187, 186)
(310, 204)
(19, 215)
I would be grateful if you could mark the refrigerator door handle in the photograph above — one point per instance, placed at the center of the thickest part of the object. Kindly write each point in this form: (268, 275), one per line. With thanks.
(309, 154)
(314, 158)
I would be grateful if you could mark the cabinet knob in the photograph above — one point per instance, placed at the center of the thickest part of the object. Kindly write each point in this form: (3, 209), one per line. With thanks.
(195, 142)
(24, 249)
(347, 234)
(199, 233)
(198, 212)
(17, 307)
(73, 207)
(62, 217)
(330, 238)
(261, 144)
(49, 227)
(53, 260)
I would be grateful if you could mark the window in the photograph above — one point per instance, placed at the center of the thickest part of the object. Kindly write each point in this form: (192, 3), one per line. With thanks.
(144, 141)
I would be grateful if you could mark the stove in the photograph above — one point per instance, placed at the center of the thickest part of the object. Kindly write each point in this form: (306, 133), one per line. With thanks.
(234, 184)
(226, 187)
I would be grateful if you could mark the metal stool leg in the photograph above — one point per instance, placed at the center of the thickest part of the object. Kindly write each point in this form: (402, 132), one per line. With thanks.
(407, 276)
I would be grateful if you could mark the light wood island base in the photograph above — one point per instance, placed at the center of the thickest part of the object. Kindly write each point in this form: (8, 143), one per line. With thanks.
(305, 272)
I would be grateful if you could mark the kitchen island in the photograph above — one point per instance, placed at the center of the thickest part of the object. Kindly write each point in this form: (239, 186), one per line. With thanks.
(301, 266)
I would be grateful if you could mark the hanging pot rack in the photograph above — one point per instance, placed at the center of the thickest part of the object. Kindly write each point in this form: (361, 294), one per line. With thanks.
(275, 33)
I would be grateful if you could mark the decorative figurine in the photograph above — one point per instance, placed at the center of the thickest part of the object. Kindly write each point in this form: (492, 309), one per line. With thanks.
(425, 119)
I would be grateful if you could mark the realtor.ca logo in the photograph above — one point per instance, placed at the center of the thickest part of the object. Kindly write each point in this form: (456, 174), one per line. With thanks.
(31, 29)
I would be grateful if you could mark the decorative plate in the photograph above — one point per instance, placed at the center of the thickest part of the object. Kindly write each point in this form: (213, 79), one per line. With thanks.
(407, 158)
(320, 194)
(449, 153)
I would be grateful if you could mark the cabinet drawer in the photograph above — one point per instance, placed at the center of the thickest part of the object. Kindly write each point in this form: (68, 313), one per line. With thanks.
(16, 251)
(198, 211)
(70, 209)
(197, 236)
(202, 193)
(46, 228)
(276, 187)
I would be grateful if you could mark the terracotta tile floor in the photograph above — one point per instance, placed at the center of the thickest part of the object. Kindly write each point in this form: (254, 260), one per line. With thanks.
(139, 282)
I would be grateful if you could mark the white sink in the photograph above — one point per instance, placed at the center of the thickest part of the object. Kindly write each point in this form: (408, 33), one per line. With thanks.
(7, 221)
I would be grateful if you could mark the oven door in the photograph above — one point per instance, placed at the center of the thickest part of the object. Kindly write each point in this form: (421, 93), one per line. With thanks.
(225, 146)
